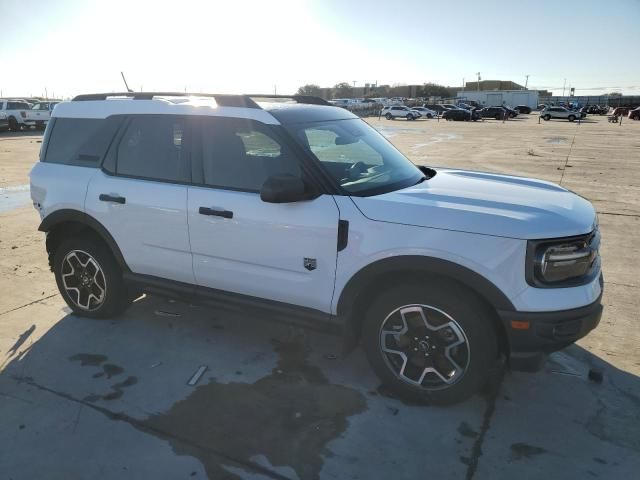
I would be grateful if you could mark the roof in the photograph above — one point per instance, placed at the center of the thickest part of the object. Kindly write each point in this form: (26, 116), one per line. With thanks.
(280, 109)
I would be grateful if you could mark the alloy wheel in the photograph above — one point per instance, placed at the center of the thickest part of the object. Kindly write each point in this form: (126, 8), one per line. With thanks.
(424, 346)
(83, 280)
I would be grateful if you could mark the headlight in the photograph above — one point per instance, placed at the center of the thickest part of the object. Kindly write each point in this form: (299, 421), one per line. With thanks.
(563, 262)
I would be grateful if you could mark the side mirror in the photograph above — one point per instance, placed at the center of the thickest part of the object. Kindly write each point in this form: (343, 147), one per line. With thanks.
(285, 189)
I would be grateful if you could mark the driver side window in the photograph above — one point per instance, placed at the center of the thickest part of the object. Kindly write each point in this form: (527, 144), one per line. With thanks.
(240, 154)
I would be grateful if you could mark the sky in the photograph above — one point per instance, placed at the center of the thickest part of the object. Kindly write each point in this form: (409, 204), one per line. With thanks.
(68, 47)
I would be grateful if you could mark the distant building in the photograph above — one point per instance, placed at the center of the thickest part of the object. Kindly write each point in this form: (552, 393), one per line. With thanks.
(496, 98)
(493, 85)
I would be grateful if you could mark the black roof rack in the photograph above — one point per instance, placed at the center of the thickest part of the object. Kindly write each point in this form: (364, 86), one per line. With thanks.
(224, 100)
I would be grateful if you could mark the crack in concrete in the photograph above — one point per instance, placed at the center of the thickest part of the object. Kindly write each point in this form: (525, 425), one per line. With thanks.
(141, 425)
(635, 215)
(476, 451)
(28, 304)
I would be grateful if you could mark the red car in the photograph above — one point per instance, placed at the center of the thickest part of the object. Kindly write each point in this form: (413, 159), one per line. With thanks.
(635, 114)
(620, 111)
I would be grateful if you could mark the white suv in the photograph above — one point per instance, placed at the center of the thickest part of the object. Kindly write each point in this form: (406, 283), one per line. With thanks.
(395, 111)
(559, 112)
(306, 212)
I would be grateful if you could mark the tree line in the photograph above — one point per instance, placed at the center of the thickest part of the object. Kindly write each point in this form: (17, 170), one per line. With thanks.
(345, 90)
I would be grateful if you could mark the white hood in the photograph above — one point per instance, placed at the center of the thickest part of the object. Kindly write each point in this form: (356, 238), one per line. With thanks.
(485, 203)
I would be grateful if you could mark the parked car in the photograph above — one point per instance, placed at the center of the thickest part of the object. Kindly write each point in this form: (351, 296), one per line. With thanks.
(634, 114)
(460, 114)
(4, 122)
(437, 108)
(620, 111)
(512, 113)
(597, 110)
(393, 255)
(498, 113)
(523, 109)
(425, 112)
(39, 114)
(559, 112)
(398, 111)
(16, 112)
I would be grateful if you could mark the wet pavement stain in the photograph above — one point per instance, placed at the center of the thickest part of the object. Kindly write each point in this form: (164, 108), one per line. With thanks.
(89, 359)
(117, 390)
(520, 451)
(111, 370)
(288, 417)
(465, 430)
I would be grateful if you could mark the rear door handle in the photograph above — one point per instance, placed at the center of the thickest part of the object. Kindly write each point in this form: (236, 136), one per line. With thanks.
(112, 198)
(215, 212)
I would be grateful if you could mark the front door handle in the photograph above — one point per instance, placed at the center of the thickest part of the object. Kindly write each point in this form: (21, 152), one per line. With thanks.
(215, 212)
(104, 197)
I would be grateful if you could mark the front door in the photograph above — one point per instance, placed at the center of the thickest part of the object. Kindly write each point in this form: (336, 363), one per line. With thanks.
(282, 252)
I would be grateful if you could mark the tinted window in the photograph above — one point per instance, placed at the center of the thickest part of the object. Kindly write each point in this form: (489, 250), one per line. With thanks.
(79, 141)
(17, 106)
(1, 105)
(241, 154)
(154, 148)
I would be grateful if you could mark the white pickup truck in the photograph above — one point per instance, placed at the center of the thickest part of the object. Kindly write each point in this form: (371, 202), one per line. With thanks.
(39, 114)
(16, 112)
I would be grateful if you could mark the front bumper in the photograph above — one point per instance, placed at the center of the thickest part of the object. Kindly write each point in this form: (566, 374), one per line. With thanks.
(530, 332)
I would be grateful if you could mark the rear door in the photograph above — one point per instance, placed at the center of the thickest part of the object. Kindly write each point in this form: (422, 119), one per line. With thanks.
(140, 196)
(283, 252)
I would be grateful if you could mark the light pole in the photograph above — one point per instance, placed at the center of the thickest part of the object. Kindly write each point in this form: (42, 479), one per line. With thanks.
(526, 83)
(478, 80)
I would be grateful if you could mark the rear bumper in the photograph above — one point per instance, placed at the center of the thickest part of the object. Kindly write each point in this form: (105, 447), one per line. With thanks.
(530, 332)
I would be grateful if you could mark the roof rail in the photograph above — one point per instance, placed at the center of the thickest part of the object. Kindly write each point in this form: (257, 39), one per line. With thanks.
(224, 100)
(307, 99)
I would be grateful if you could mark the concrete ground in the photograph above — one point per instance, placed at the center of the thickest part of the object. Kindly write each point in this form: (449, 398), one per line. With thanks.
(109, 399)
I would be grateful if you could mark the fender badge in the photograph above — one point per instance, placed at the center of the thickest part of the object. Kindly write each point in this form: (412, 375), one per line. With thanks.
(310, 263)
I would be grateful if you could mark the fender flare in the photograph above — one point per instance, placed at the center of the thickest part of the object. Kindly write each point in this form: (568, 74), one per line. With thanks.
(366, 277)
(76, 216)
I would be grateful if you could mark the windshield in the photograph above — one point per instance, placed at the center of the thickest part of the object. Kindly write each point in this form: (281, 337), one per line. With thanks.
(356, 156)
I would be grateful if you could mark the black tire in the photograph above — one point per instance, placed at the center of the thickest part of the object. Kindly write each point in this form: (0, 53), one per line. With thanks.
(388, 116)
(14, 126)
(409, 116)
(115, 298)
(470, 316)
(429, 115)
(546, 117)
(498, 116)
(571, 118)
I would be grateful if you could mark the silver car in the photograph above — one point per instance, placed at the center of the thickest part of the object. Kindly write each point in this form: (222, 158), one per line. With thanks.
(559, 112)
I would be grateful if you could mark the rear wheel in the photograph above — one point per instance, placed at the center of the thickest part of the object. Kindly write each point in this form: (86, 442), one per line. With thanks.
(571, 118)
(409, 116)
(498, 116)
(546, 117)
(388, 116)
(433, 342)
(89, 278)
(429, 115)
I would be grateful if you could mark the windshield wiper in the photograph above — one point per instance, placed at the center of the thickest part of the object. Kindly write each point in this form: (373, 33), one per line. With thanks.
(420, 181)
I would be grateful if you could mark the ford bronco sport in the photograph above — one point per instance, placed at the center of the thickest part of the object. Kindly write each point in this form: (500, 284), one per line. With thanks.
(303, 211)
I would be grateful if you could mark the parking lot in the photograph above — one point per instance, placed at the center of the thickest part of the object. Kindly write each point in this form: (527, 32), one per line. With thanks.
(111, 399)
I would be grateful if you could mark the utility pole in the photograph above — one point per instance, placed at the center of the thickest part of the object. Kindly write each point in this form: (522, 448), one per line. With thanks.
(354, 83)
(564, 86)
(526, 83)
(478, 80)
(463, 84)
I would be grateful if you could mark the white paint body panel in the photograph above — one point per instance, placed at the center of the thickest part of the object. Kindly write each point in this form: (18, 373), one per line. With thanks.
(261, 250)
(58, 187)
(500, 260)
(485, 203)
(150, 228)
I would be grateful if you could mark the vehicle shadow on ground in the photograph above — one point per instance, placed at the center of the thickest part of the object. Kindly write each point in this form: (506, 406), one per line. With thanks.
(23, 133)
(278, 401)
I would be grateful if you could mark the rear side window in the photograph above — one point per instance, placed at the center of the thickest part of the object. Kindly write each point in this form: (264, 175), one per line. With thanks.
(154, 148)
(18, 106)
(80, 142)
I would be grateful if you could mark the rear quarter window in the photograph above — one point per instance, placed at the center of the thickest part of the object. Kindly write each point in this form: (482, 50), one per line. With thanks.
(81, 142)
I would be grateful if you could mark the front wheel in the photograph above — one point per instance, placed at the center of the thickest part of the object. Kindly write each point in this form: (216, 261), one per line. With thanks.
(571, 118)
(432, 342)
(547, 117)
(388, 116)
(14, 126)
(89, 278)
(409, 116)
